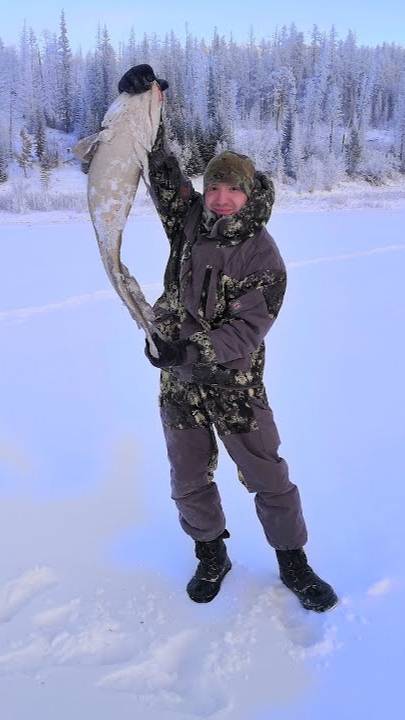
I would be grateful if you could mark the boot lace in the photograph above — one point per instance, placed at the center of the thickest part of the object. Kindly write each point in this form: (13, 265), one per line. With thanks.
(296, 569)
(209, 566)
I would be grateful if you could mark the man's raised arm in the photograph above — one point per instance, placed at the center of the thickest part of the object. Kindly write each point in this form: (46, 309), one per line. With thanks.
(171, 191)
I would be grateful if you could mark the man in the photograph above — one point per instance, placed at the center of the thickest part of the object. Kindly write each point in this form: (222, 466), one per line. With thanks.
(223, 288)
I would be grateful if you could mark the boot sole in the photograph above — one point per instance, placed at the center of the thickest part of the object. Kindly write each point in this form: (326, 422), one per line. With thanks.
(208, 599)
(333, 601)
(324, 609)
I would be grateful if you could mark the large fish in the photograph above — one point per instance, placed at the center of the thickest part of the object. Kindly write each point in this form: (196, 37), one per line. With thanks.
(118, 155)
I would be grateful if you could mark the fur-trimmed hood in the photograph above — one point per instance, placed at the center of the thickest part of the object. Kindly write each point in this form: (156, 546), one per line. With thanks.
(233, 229)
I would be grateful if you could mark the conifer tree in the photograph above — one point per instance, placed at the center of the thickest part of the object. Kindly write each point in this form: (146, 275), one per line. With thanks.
(39, 137)
(295, 105)
(64, 75)
(290, 147)
(400, 125)
(353, 151)
(25, 157)
(3, 166)
(45, 171)
(106, 71)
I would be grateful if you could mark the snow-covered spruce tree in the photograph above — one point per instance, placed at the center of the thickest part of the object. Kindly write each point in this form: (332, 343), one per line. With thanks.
(315, 48)
(201, 144)
(24, 86)
(290, 145)
(172, 66)
(49, 161)
(275, 164)
(39, 100)
(290, 149)
(99, 85)
(92, 103)
(50, 73)
(190, 79)
(227, 94)
(8, 97)
(52, 154)
(107, 70)
(64, 79)
(193, 162)
(282, 88)
(25, 157)
(311, 116)
(213, 126)
(84, 121)
(79, 107)
(39, 136)
(400, 125)
(219, 105)
(333, 117)
(3, 165)
(363, 102)
(11, 122)
(3, 68)
(349, 78)
(353, 151)
(248, 65)
(45, 172)
(129, 55)
(191, 158)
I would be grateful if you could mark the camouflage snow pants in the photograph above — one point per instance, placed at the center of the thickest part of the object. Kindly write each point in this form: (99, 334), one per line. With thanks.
(245, 424)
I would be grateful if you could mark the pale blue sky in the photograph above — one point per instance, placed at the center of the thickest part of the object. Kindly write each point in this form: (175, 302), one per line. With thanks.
(372, 20)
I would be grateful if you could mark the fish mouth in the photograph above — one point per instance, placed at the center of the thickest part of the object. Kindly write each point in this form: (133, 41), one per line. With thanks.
(163, 84)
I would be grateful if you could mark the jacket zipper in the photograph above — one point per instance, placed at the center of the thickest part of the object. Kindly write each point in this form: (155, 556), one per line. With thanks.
(204, 291)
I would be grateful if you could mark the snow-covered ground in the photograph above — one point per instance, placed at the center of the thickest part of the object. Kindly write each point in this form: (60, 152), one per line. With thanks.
(94, 620)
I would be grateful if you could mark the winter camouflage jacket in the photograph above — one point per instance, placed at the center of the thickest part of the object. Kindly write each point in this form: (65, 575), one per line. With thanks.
(224, 281)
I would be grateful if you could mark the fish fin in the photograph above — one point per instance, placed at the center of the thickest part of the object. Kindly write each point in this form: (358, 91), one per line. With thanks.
(86, 147)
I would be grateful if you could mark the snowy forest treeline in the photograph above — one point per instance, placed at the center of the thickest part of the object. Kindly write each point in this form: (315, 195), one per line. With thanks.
(310, 111)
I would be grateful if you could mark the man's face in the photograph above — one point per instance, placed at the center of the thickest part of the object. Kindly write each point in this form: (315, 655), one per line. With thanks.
(224, 199)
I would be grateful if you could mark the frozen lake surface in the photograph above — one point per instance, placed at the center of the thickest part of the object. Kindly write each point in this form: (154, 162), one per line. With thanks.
(94, 620)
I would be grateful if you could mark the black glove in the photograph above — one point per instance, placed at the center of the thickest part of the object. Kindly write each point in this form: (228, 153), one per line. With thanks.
(170, 353)
(139, 79)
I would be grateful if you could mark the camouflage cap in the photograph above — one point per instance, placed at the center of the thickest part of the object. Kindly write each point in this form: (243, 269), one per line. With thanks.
(231, 168)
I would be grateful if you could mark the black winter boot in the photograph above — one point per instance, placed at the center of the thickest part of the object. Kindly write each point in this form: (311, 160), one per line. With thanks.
(312, 592)
(211, 570)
